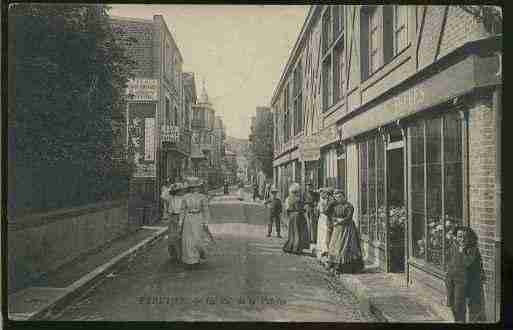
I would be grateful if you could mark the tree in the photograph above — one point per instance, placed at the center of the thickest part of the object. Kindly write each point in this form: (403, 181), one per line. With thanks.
(262, 145)
(67, 77)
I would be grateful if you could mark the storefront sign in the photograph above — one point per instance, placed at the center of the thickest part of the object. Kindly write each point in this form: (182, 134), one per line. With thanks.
(328, 135)
(141, 138)
(142, 89)
(454, 80)
(309, 150)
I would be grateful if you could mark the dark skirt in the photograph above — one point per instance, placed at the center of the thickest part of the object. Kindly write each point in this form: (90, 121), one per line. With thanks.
(345, 253)
(297, 239)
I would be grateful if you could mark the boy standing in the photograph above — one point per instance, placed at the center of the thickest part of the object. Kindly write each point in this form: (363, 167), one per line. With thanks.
(276, 209)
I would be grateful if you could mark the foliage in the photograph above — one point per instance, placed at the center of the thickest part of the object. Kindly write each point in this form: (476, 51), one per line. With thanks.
(261, 145)
(67, 76)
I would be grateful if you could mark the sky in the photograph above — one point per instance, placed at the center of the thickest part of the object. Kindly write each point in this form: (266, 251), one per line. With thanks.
(240, 51)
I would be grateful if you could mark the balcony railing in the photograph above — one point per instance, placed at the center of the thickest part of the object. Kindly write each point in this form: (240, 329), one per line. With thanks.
(175, 138)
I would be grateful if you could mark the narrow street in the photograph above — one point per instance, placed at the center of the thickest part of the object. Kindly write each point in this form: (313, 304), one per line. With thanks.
(247, 278)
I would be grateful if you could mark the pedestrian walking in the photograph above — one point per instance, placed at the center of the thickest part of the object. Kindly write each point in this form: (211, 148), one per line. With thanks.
(164, 196)
(344, 252)
(255, 191)
(241, 190)
(275, 214)
(322, 225)
(195, 233)
(464, 276)
(297, 239)
(311, 200)
(175, 221)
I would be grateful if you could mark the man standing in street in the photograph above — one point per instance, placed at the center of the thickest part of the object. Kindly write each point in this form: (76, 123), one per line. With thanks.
(276, 209)
(311, 200)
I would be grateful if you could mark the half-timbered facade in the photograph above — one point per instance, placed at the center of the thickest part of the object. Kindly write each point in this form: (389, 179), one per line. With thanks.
(399, 106)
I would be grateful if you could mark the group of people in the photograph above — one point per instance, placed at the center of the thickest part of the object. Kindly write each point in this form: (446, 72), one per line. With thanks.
(324, 217)
(186, 209)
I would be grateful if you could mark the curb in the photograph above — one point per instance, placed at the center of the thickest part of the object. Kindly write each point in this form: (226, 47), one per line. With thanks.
(88, 281)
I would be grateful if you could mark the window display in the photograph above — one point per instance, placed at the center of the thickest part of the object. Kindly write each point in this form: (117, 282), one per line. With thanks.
(364, 220)
(442, 190)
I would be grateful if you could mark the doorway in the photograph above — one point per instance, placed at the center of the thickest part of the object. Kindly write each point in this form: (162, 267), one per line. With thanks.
(396, 207)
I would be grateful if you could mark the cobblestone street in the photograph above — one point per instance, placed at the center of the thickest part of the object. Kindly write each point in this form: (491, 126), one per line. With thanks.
(247, 278)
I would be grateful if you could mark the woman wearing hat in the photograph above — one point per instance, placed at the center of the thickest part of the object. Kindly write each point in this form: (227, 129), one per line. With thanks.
(194, 231)
(344, 253)
(298, 238)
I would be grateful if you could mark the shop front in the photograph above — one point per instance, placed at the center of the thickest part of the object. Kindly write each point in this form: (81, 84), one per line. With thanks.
(426, 164)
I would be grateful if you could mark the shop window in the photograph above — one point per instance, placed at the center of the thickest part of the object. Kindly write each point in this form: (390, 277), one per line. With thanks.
(434, 191)
(453, 175)
(372, 189)
(417, 187)
(364, 220)
(436, 183)
(381, 218)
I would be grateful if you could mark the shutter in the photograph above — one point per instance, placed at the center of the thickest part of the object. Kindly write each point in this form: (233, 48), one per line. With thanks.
(364, 43)
(388, 33)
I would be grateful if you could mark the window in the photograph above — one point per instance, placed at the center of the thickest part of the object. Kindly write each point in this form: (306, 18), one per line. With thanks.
(327, 36)
(298, 102)
(327, 90)
(168, 112)
(437, 180)
(338, 74)
(286, 121)
(374, 40)
(400, 28)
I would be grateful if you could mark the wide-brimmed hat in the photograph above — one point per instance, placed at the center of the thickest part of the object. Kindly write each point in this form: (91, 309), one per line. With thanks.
(338, 191)
(274, 189)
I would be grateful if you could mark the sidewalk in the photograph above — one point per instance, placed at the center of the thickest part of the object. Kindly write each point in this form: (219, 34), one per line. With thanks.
(59, 288)
(387, 296)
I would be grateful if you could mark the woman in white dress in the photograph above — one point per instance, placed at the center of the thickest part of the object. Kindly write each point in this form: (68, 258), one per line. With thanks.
(322, 225)
(195, 236)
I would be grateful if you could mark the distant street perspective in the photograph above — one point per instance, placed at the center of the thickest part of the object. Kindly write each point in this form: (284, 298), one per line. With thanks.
(284, 163)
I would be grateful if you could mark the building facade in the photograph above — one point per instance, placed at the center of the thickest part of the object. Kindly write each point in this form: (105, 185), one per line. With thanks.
(399, 106)
(208, 135)
(157, 132)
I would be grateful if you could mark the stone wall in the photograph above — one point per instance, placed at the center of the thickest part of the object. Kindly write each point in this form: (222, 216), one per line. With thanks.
(41, 243)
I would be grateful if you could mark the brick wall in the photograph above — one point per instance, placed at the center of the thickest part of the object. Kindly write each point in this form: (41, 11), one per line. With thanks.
(142, 49)
(482, 167)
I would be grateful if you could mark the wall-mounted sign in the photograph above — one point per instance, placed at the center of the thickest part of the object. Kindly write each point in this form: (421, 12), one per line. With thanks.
(140, 89)
(309, 150)
(141, 138)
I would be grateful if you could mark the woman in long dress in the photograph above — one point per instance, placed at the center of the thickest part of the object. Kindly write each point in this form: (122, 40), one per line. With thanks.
(345, 253)
(194, 234)
(298, 238)
(322, 224)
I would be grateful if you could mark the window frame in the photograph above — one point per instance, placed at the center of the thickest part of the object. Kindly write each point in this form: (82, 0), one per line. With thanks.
(460, 164)
(373, 16)
(400, 29)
